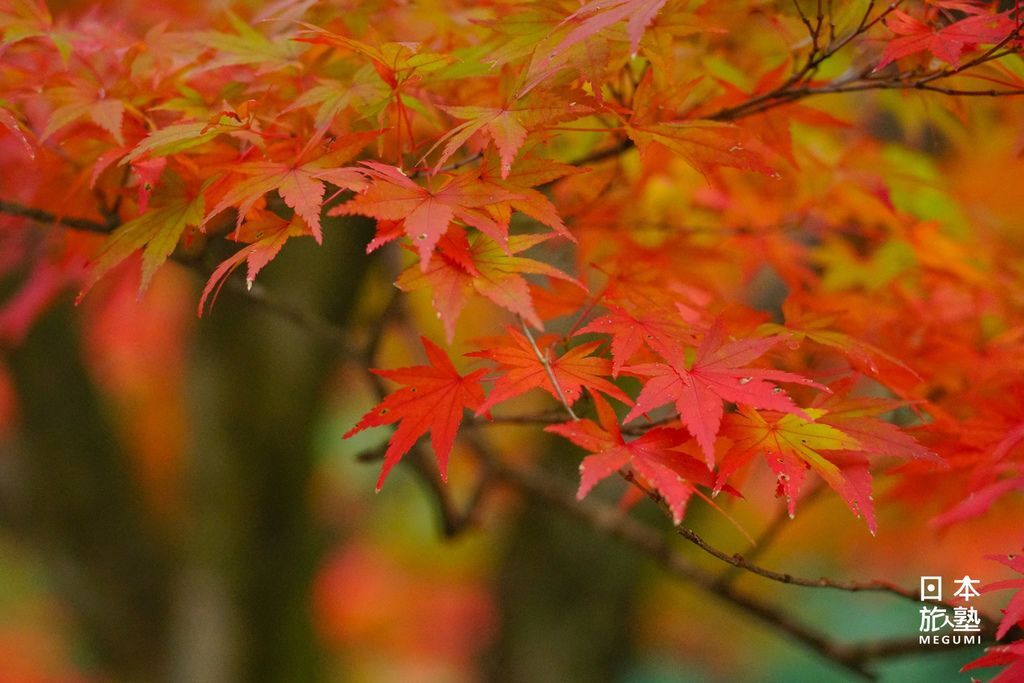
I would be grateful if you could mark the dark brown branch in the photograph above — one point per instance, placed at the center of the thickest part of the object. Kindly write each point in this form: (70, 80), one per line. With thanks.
(797, 86)
(770, 532)
(545, 418)
(40, 216)
(737, 560)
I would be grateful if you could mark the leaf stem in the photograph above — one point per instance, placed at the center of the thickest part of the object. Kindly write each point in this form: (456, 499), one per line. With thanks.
(547, 369)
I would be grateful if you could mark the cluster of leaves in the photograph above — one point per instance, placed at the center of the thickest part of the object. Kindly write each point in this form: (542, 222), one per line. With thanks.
(747, 296)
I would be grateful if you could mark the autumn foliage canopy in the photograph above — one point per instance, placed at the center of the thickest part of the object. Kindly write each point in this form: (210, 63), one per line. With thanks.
(720, 248)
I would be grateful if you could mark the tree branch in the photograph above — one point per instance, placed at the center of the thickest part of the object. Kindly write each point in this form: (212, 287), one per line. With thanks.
(989, 625)
(40, 216)
(797, 87)
(614, 523)
(737, 560)
(770, 532)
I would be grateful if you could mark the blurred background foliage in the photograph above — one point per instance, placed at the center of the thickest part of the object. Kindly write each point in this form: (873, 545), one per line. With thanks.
(178, 504)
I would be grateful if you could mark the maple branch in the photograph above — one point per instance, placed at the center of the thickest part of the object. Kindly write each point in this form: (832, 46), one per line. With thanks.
(41, 216)
(737, 560)
(988, 625)
(770, 533)
(797, 87)
(623, 145)
(613, 523)
(546, 418)
(547, 369)
(786, 93)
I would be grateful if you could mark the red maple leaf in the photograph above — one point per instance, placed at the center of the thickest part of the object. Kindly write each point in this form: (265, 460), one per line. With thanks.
(978, 502)
(859, 417)
(597, 15)
(432, 400)
(526, 173)
(1013, 614)
(716, 375)
(300, 183)
(659, 329)
(947, 43)
(460, 266)
(652, 457)
(424, 213)
(523, 370)
(506, 126)
(834, 439)
(792, 445)
(1011, 656)
(264, 234)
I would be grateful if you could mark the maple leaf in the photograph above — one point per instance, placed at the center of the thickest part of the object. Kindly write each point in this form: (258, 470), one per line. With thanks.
(394, 62)
(1011, 656)
(15, 128)
(771, 127)
(246, 46)
(426, 214)
(432, 399)
(82, 101)
(651, 457)
(301, 185)
(790, 445)
(505, 126)
(716, 375)
(396, 66)
(265, 234)
(803, 323)
(847, 427)
(156, 232)
(527, 172)
(460, 266)
(1013, 614)
(704, 144)
(659, 329)
(23, 19)
(978, 502)
(947, 43)
(522, 370)
(598, 15)
(859, 417)
(983, 491)
(179, 137)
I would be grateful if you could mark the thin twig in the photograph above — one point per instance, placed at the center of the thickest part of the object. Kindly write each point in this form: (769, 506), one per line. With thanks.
(771, 531)
(547, 369)
(737, 560)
